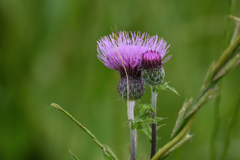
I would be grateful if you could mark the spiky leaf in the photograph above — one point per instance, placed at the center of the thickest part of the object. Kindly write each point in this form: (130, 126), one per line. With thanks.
(166, 87)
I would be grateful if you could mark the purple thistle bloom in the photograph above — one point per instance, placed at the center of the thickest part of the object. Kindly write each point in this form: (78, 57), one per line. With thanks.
(130, 48)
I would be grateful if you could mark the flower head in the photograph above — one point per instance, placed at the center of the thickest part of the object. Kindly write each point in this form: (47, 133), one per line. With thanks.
(151, 60)
(126, 51)
(130, 48)
(152, 70)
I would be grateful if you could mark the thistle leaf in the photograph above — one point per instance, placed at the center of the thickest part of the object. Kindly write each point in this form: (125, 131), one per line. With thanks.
(157, 119)
(166, 87)
(148, 134)
(145, 108)
(159, 126)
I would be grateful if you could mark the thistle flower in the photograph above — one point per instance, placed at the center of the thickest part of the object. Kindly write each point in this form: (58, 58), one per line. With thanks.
(127, 50)
(152, 69)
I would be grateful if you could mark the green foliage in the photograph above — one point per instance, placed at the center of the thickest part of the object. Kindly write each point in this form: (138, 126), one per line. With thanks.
(145, 109)
(228, 60)
(143, 120)
(74, 157)
(164, 86)
(231, 123)
(181, 114)
(237, 27)
(106, 155)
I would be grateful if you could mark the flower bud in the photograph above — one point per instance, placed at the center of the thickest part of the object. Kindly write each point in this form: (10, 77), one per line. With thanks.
(152, 70)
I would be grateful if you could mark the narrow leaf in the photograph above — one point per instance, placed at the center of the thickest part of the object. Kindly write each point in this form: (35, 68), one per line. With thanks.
(110, 151)
(74, 157)
(231, 64)
(149, 136)
(106, 155)
(159, 126)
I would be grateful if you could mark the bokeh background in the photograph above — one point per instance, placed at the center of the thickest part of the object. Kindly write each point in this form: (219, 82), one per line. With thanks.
(48, 54)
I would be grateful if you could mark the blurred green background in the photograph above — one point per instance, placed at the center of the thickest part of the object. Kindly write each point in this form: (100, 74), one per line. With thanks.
(48, 54)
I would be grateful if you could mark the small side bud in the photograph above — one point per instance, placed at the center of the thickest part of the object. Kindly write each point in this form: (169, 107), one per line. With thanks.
(152, 70)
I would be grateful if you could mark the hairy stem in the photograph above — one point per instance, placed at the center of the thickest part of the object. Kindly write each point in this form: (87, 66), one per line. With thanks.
(133, 132)
(154, 125)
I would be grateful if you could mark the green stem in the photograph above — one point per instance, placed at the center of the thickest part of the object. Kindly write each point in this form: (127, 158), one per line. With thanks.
(226, 55)
(216, 125)
(73, 156)
(154, 125)
(133, 132)
(183, 140)
(113, 156)
(175, 140)
(227, 24)
(220, 63)
(230, 126)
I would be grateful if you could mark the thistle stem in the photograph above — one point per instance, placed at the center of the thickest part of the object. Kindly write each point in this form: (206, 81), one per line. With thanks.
(133, 132)
(154, 125)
